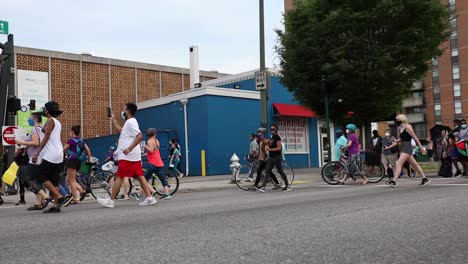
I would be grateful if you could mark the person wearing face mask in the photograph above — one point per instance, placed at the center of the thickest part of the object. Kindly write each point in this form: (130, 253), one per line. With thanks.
(28, 175)
(263, 142)
(375, 144)
(390, 154)
(129, 156)
(463, 136)
(355, 166)
(155, 163)
(406, 133)
(274, 149)
(339, 144)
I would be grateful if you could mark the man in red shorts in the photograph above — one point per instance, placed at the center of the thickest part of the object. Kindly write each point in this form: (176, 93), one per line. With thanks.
(129, 154)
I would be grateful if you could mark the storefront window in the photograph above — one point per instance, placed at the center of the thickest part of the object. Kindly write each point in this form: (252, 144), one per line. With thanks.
(294, 133)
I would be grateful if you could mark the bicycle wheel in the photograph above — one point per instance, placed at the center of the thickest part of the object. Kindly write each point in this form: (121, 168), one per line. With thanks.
(331, 172)
(98, 186)
(242, 179)
(289, 173)
(110, 181)
(172, 180)
(375, 173)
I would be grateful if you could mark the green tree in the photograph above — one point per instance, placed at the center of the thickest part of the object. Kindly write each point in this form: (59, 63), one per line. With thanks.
(370, 53)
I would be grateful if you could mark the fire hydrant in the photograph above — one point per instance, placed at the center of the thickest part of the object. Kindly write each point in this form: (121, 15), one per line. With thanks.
(234, 166)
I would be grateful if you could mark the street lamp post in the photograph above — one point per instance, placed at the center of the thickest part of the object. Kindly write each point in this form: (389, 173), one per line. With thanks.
(263, 92)
(327, 116)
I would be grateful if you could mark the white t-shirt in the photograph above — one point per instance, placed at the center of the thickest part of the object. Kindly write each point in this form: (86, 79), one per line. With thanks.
(53, 150)
(128, 134)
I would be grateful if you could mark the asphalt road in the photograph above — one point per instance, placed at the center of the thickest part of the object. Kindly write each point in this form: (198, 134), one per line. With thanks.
(312, 224)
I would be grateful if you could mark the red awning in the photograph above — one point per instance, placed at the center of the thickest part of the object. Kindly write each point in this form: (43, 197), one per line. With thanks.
(293, 110)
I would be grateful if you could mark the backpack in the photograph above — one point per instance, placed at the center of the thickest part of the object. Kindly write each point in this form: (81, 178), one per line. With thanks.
(80, 150)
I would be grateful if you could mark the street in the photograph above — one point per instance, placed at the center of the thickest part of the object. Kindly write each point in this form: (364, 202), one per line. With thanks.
(314, 223)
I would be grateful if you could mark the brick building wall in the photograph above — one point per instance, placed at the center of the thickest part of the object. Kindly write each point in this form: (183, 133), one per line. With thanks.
(85, 86)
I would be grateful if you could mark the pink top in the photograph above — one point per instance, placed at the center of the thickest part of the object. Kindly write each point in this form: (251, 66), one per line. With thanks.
(155, 158)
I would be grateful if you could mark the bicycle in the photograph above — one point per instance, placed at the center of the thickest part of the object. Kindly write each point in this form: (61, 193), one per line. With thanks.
(246, 174)
(171, 177)
(94, 182)
(333, 172)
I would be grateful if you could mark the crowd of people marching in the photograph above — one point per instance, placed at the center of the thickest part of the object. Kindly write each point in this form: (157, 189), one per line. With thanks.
(43, 158)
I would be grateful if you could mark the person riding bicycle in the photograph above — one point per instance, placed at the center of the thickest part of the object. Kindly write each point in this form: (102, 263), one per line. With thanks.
(261, 133)
(254, 152)
(274, 149)
(355, 165)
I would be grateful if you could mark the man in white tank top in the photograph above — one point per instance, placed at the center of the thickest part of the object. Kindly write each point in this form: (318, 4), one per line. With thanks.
(49, 155)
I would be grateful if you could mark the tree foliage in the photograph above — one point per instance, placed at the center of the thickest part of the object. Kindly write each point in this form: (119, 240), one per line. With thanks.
(370, 52)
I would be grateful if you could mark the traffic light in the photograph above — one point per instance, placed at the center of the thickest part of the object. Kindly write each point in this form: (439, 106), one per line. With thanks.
(32, 105)
(13, 105)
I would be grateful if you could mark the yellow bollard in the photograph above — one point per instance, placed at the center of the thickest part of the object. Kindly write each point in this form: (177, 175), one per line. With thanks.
(203, 163)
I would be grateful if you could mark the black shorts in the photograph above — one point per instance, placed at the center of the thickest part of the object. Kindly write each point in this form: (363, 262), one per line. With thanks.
(33, 171)
(49, 171)
(74, 164)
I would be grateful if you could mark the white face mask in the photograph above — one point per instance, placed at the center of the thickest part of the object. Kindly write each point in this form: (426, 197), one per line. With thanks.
(123, 115)
(347, 131)
(387, 134)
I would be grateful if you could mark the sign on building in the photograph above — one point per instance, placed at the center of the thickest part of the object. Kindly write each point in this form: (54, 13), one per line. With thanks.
(32, 85)
(293, 132)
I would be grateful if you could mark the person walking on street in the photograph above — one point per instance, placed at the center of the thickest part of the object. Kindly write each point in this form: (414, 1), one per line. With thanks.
(339, 144)
(175, 158)
(453, 144)
(129, 156)
(390, 154)
(376, 143)
(463, 136)
(32, 142)
(253, 155)
(49, 155)
(155, 163)
(77, 150)
(355, 165)
(406, 133)
(274, 149)
(430, 149)
(443, 153)
(261, 134)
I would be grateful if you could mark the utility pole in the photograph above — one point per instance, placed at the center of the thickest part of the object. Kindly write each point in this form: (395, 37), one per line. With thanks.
(327, 116)
(263, 92)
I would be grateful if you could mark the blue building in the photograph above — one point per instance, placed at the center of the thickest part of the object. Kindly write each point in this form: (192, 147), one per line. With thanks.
(218, 117)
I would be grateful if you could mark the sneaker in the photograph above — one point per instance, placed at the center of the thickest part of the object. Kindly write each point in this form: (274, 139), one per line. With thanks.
(83, 196)
(20, 203)
(149, 201)
(249, 180)
(134, 196)
(62, 201)
(107, 202)
(424, 181)
(277, 187)
(166, 196)
(286, 189)
(465, 174)
(260, 189)
(458, 173)
(391, 183)
(68, 201)
(52, 210)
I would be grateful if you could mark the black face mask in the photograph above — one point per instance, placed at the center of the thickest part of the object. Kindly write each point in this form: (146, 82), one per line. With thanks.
(398, 122)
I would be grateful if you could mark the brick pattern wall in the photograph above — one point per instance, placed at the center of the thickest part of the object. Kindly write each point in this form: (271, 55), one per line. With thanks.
(171, 83)
(148, 85)
(122, 88)
(95, 99)
(65, 89)
(32, 63)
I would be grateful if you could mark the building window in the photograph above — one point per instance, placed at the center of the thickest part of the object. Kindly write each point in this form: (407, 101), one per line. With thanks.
(416, 110)
(436, 89)
(454, 52)
(456, 90)
(437, 109)
(456, 72)
(453, 21)
(420, 130)
(458, 107)
(294, 133)
(435, 73)
(435, 61)
(454, 35)
(455, 60)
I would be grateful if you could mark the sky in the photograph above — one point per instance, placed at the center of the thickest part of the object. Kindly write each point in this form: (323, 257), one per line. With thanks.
(151, 31)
